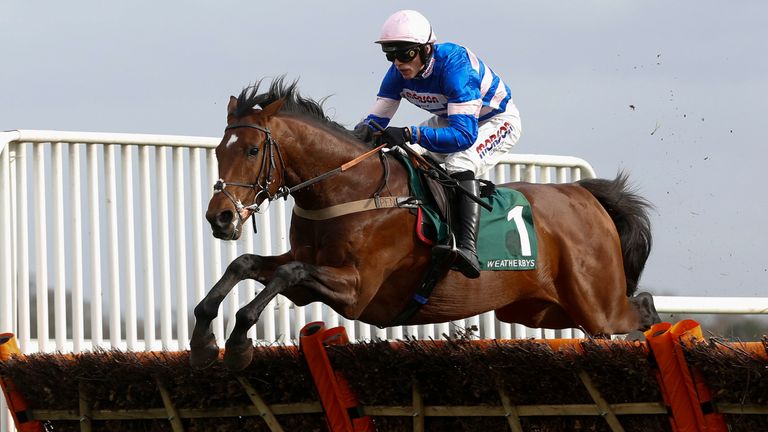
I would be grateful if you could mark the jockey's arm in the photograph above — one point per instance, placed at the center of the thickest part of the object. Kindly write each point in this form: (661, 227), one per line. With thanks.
(382, 111)
(459, 135)
(462, 89)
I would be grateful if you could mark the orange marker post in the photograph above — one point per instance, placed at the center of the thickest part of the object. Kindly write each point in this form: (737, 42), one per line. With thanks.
(681, 416)
(688, 332)
(342, 409)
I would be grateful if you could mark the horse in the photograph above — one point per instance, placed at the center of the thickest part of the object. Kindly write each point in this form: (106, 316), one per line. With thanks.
(594, 237)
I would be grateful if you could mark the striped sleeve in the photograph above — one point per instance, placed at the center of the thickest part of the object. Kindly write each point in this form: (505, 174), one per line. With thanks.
(460, 134)
(462, 88)
(388, 98)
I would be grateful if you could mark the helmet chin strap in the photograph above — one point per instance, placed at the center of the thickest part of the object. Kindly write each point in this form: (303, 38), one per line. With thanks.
(427, 60)
(425, 57)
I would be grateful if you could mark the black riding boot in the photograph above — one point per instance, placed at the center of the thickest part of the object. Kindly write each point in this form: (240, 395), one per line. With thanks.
(466, 225)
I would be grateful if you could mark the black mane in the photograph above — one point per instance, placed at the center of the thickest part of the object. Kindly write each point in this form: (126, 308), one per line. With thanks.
(250, 97)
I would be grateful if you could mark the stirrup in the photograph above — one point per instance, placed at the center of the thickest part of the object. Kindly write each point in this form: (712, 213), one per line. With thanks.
(461, 263)
(444, 251)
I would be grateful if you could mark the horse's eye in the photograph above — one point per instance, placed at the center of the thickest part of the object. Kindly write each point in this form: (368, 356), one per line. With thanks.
(253, 151)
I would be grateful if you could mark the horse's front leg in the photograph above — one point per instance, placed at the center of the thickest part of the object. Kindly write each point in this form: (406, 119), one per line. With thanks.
(331, 285)
(203, 348)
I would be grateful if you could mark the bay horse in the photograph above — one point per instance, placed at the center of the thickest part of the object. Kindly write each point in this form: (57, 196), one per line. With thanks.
(594, 237)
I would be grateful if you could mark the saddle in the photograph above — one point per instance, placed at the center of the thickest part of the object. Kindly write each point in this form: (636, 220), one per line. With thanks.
(436, 195)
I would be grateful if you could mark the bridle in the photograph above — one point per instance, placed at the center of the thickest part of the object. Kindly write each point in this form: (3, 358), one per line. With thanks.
(271, 148)
(268, 163)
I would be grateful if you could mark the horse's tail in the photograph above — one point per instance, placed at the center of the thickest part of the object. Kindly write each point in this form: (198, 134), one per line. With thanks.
(629, 212)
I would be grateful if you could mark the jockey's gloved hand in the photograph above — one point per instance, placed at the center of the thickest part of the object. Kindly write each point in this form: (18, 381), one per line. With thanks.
(363, 132)
(396, 136)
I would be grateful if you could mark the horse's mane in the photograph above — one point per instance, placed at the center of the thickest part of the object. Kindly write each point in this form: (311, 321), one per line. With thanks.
(250, 97)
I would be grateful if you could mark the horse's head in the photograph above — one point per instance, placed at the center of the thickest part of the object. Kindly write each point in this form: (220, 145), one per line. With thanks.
(250, 167)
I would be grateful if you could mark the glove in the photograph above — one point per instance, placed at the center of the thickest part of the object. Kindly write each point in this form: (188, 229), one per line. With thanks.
(396, 136)
(363, 132)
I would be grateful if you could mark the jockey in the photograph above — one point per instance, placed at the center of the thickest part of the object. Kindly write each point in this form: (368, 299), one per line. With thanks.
(474, 120)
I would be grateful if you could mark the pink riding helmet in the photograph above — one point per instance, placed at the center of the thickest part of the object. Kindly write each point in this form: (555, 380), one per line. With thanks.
(407, 26)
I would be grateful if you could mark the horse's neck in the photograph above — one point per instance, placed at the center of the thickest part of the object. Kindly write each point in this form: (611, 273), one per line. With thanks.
(314, 151)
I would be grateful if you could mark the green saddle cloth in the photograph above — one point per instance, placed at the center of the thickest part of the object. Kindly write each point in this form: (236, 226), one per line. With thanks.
(507, 239)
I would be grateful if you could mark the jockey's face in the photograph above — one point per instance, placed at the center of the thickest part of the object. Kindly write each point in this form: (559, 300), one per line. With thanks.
(409, 69)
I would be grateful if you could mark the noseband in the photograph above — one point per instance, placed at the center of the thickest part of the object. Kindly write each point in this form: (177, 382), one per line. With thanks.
(262, 181)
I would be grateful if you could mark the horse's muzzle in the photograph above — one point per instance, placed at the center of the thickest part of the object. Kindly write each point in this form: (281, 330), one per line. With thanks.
(224, 224)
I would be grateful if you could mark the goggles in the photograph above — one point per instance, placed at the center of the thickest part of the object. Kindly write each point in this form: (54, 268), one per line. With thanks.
(404, 56)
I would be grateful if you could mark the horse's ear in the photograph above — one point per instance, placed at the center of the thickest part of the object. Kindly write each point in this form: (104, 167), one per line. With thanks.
(272, 108)
(232, 105)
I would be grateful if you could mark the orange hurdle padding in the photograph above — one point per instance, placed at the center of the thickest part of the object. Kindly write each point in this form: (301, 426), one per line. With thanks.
(681, 417)
(343, 412)
(686, 395)
(14, 399)
(688, 332)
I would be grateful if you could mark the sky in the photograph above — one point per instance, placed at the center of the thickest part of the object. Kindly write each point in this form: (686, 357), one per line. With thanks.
(671, 92)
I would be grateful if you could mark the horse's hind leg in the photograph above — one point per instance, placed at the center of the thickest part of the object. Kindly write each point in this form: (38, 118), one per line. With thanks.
(643, 303)
(596, 310)
(203, 348)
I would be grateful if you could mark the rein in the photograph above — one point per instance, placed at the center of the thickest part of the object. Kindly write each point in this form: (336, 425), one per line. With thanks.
(334, 171)
(271, 148)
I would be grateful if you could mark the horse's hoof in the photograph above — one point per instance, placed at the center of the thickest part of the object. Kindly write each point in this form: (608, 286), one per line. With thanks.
(643, 303)
(238, 356)
(203, 355)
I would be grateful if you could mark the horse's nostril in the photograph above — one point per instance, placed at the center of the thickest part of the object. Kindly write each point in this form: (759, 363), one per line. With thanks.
(224, 218)
(221, 220)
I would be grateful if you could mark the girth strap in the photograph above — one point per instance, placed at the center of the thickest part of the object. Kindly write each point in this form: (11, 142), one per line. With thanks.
(357, 206)
(439, 265)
